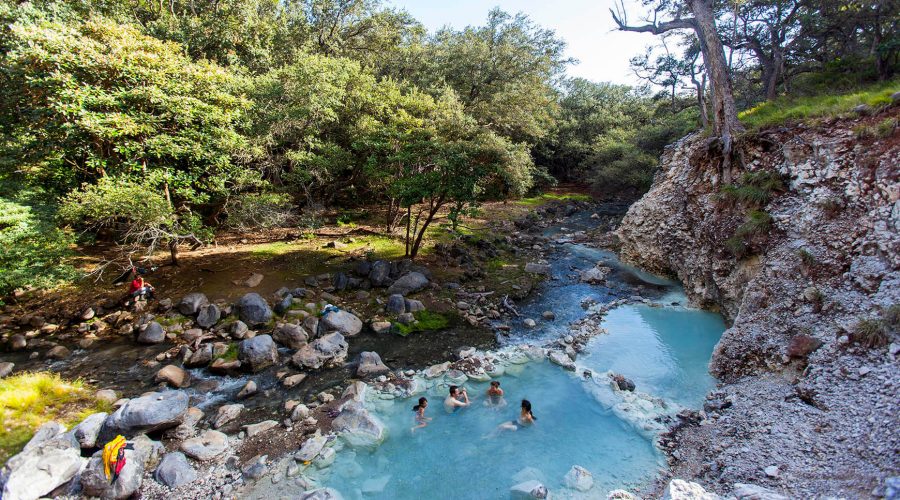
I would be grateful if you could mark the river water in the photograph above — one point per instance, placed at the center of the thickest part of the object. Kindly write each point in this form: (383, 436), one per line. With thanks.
(664, 347)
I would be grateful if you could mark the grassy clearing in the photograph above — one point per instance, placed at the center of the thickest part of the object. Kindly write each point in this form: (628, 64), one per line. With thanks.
(541, 199)
(786, 109)
(427, 321)
(28, 400)
(378, 246)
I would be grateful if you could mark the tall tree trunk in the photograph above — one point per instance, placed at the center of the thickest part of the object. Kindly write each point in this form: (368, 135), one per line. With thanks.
(173, 251)
(725, 120)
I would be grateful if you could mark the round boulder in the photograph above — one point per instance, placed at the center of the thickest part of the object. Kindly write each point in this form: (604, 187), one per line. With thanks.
(258, 353)
(409, 283)
(153, 333)
(174, 470)
(341, 321)
(206, 446)
(254, 310)
(191, 303)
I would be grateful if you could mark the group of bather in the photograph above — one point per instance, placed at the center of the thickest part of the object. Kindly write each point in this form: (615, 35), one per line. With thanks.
(459, 398)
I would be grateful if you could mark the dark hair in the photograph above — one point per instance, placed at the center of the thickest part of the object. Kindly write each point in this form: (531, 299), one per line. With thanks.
(495, 383)
(422, 402)
(453, 389)
(526, 405)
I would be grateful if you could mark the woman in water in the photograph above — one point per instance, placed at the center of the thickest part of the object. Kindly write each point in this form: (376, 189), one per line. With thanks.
(495, 396)
(421, 419)
(526, 419)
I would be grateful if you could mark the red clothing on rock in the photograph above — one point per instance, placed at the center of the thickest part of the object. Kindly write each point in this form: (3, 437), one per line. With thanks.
(136, 285)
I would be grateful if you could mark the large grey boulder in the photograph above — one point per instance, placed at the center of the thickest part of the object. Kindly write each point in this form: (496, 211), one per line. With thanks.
(528, 490)
(174, 470)
(87, 431)
(358, 427)
(153, 333)
(47, 431)
(258, 353)
(409, 283)
(370, 365)
(191, 303)
(95, 484)
(380, 274)
(327, 351)
(341, 321)
(254, 310)
(6, 368)
(41, 469)
(208, 316)
(291, 335)
(207, 446)
(152, 412)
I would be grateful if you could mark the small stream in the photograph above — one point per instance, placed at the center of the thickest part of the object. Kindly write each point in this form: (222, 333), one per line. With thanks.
(664, 347)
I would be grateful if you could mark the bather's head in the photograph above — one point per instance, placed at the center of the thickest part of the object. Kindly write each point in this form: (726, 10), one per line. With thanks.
(423, 403)
(526, 408)
(495, 384)
(454, 390)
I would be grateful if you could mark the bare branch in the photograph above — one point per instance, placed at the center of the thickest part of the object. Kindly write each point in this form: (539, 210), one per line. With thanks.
(621, 19)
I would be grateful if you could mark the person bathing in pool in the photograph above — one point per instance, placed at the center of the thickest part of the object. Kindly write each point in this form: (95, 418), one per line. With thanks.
(421, 419)
(456, 399)
(495, 396)
(526, 419)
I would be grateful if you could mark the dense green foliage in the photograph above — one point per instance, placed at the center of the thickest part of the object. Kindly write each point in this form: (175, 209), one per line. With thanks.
(155, 123)
(34, 249)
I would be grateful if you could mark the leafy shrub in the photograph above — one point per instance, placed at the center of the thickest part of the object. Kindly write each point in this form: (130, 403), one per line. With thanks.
(757, 224)
(870, 333)
(806, 257)
(830, 206)
(755, 189)
(310, 221)
(260, 211)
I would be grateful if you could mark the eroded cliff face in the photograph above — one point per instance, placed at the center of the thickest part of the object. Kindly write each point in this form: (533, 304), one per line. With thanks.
(798, 393)
(831, 257)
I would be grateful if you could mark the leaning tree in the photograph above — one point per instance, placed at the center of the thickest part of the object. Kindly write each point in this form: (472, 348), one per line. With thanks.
(700, 17)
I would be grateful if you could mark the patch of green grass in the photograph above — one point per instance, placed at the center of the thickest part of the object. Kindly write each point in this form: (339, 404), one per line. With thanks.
(548, 197)
(231, 354)
(273, 249)
(427, 321)
(496, 264)
(887, 127)
(786, 109)
(30, 399)
(166, 321)
(378, 246)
